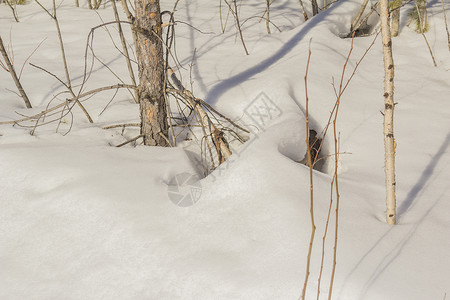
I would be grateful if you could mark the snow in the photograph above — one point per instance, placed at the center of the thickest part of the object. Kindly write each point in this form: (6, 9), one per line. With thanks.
(81, 219)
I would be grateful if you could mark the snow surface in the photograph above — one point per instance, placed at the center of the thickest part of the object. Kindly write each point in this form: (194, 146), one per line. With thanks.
(80, 219)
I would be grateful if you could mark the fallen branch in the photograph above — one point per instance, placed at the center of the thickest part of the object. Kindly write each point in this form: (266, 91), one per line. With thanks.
(222, 148)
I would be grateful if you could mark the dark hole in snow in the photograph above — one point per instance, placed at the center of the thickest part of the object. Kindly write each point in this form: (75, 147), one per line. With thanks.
(315, 143)
(366, 28)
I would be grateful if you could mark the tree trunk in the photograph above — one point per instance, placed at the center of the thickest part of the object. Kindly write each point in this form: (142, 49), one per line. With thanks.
(389, 141)
(154, 126)
(315, 7)
(268, 15)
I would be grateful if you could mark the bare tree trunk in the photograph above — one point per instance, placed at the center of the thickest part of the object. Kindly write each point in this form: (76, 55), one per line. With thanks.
(268, 16)
(13, 74)
(389, 141)
(154, 126)
(315, 7)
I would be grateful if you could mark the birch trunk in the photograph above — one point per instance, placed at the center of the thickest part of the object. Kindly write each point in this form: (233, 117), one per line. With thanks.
(154, 126)
(389, 141)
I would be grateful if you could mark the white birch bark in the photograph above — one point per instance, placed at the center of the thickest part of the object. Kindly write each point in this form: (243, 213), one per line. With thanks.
(389, 141)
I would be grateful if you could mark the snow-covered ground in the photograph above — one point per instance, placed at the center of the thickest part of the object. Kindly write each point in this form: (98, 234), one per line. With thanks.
(81, 219)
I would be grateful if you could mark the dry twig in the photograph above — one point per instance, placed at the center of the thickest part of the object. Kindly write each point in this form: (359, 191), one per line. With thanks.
(14, 75)
(311, 186)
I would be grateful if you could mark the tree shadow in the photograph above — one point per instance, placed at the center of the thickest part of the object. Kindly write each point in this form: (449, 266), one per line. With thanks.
(395, 252)
(220, 88)
(426, 174)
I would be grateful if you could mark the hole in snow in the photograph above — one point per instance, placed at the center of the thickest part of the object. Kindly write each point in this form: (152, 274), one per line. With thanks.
(317, 153)
(364, 26)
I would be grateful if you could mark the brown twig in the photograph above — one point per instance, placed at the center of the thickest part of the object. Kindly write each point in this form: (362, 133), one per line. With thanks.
(223, 26)
(13, 10)
(423, 34)
(29, 56)
(264, 18)
(336, 160)
(446, 27)
(324, 239)
(238, 25)
(125, 48)
(14, 75)
(37, 116)
(202, 117)
(122, 125)
(63, 53)
(305, 15)
(129, 141)
(311, 185)
(324, 132)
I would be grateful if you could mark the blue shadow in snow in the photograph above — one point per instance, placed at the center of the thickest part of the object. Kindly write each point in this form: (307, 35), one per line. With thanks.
(214, 94)
(426, 174)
